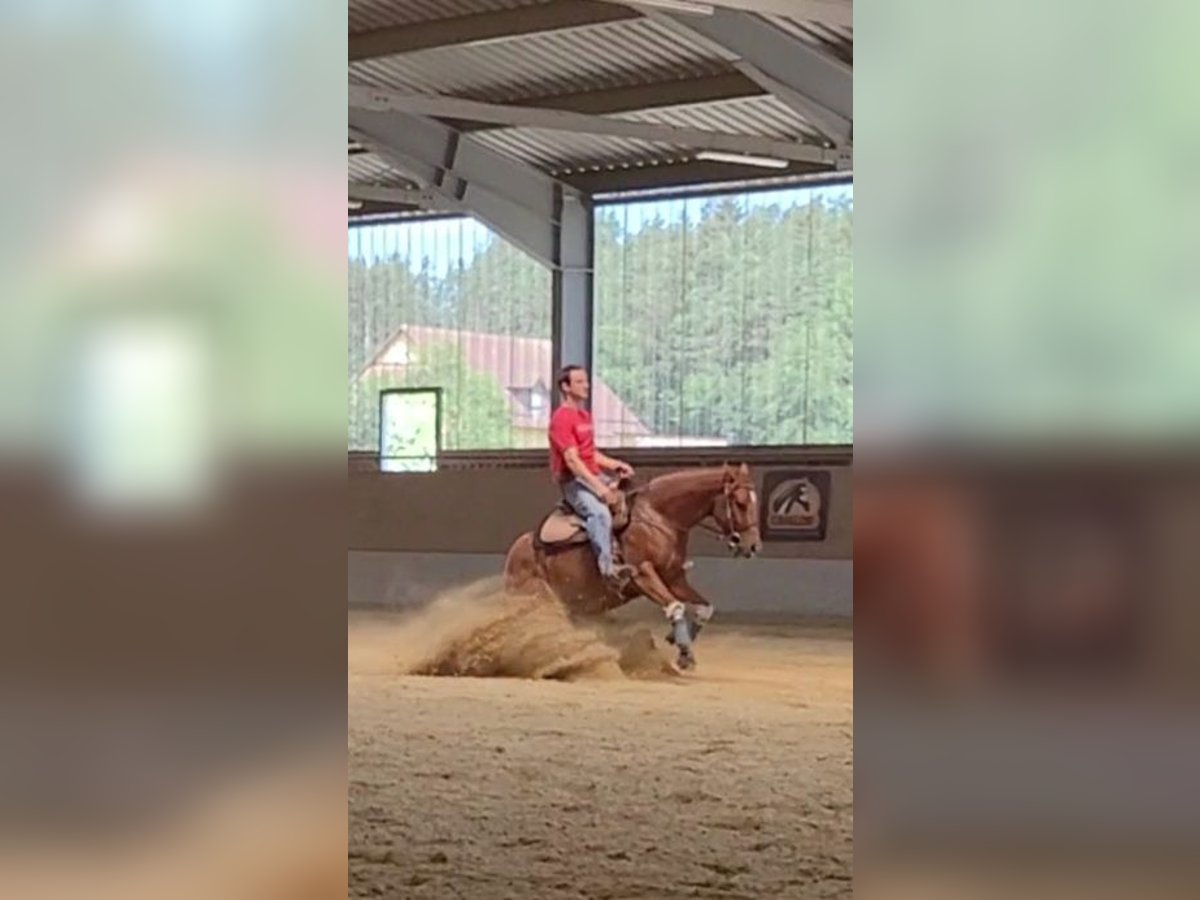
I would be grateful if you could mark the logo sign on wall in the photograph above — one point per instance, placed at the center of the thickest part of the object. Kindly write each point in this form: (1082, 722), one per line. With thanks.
(795, 505)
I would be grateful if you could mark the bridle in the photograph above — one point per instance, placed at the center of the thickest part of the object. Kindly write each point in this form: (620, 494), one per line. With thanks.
(725, 531)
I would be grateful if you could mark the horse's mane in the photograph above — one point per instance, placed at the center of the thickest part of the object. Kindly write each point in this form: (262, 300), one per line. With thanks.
(674, 479)
(684, 475)
(671, 478)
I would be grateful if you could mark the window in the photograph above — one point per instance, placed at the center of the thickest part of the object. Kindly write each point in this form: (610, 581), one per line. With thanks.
(140, 412)
(409, 429)
(533, 399)
(726, 319)
(446, 303)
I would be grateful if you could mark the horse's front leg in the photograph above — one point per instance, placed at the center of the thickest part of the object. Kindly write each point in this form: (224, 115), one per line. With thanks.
(651, 583)
(699, 609)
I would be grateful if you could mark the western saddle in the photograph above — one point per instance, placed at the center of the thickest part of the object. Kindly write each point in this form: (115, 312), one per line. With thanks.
(563, 528)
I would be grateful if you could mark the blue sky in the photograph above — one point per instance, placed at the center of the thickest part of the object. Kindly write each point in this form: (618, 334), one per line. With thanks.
(445, 241)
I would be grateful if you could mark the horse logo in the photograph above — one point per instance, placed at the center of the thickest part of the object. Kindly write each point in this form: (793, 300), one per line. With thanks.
(796, 504)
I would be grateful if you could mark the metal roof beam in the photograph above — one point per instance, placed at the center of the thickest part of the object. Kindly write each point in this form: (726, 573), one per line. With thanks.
(488, 26)
(424, 199)
(676, 92)
(369, 98)
(375, 208)
(638, 178)
(818, 86)
(839, 13)
(515, 200)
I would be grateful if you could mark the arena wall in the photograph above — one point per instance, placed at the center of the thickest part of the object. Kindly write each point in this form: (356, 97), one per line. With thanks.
(412, 536)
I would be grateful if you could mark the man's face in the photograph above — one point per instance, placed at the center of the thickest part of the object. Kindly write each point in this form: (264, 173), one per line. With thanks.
(578, 386)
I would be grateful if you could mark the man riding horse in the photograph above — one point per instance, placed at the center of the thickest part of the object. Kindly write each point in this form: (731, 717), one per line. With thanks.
(652, 528)
(583, 473)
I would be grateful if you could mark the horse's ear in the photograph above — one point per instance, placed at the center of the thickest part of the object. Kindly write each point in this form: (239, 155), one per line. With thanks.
(744, 470)
(729, 472)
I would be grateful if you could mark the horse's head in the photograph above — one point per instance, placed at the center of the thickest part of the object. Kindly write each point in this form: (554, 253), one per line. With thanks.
(736, 511)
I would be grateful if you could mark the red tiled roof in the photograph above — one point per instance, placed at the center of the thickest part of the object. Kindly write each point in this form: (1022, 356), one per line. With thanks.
(519, 363)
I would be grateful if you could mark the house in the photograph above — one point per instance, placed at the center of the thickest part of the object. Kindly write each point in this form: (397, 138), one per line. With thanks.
(522, 366)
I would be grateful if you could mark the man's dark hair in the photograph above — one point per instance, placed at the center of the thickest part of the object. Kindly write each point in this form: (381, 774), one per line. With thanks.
(564, 375)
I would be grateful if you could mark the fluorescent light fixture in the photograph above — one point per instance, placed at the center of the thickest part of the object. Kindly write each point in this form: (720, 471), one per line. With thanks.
(683, 6)
(355, 204)
(742, 159)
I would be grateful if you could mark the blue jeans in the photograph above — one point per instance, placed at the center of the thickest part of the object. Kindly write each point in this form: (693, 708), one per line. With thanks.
(597, 519)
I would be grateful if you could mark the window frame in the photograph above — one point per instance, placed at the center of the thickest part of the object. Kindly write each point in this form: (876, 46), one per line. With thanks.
(381, 455)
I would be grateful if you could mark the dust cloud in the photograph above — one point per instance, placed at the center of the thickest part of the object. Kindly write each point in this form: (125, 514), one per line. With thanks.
(483, 631)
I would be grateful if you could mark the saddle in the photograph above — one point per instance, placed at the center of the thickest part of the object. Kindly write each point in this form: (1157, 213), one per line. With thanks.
(563, 528)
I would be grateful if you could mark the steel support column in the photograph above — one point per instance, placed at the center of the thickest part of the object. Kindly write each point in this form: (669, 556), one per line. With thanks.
(573, 285)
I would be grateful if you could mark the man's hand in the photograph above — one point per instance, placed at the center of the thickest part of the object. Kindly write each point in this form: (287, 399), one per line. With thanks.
(618, 467)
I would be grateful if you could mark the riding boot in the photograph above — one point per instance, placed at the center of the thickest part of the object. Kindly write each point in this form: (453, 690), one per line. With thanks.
(620, 576)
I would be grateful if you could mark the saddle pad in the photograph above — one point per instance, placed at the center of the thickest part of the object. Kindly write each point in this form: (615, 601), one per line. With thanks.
(562, 528)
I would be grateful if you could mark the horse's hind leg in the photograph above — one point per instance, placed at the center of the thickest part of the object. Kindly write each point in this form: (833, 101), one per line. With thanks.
(521, 569)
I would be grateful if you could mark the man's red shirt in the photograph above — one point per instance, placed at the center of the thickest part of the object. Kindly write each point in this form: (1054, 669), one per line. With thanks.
(571, 427)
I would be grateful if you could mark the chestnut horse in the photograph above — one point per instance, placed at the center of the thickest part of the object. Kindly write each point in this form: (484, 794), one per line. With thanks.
(661, 515)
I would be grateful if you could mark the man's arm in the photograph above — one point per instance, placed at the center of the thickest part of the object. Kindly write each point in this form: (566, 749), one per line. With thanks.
(579, 470)
(608, 464)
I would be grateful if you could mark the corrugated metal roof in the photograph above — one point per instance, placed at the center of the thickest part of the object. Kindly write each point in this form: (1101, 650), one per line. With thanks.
(838, 42)
(613, 54)
(366, 168)
(365, 15)
(564, 151)
(762, 115)
(596, 57)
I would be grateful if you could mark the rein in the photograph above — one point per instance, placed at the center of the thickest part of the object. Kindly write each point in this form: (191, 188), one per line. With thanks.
(725, 533)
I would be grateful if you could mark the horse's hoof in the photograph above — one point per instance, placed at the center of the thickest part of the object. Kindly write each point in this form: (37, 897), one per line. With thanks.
(671, 638)
(685, 661)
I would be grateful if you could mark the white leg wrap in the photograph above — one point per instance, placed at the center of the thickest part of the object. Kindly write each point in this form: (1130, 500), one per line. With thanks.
(674, 612)
(701, 612)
